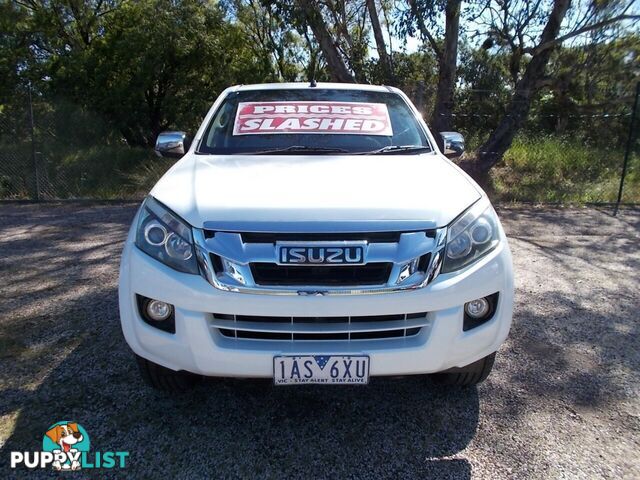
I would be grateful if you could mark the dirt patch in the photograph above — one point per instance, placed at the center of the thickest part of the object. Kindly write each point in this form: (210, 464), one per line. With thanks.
(563, 400)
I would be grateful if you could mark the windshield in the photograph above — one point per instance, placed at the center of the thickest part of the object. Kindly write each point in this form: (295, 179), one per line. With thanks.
(308, 121)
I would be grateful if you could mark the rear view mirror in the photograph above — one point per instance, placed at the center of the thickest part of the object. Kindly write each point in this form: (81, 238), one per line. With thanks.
(453, 144)
(172, 144)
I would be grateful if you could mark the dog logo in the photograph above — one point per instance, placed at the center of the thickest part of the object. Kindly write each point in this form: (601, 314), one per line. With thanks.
(67, 441)
(65, 447)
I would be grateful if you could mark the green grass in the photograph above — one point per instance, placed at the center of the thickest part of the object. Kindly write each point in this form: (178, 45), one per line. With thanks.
(100, 171)
(550, 169)
(71, 171)
(142, 179)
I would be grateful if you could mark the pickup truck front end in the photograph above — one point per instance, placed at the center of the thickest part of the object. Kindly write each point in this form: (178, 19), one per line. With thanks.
(315, 267)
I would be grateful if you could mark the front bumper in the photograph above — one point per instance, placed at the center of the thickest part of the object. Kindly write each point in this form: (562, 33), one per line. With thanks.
(197, 347)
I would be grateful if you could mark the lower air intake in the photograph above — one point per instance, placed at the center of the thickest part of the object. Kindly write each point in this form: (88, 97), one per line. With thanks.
(345, 328)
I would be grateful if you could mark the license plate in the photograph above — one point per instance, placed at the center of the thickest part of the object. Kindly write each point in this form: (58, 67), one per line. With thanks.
(321, 369)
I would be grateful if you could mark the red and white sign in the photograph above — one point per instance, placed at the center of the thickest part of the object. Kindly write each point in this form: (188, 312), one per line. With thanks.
(351, 118)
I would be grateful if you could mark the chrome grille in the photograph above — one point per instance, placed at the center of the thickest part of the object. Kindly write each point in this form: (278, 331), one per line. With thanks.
(249, 261)
(343, 328)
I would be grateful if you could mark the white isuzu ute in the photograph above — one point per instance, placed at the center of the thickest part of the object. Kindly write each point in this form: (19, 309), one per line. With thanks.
(314, 233)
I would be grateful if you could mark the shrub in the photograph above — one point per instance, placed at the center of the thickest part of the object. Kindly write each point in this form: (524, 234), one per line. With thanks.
(551, 169)
(99, 171)
(142, 179)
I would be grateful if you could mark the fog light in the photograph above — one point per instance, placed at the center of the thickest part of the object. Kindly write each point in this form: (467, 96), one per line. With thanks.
(158, 314)
(158, 311)
(477, 308)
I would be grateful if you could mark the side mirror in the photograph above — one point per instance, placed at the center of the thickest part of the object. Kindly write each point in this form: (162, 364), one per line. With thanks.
(172, 144)
(453, 144)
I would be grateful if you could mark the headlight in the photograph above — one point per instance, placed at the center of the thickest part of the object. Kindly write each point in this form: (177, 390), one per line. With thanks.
(166, 237)
(470, 237)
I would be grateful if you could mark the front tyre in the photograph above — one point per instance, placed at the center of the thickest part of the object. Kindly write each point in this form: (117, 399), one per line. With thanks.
(165, 379)
(472, 374)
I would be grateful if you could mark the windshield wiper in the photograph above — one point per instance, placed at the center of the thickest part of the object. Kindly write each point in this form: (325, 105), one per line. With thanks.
(301, 148)
(397, 149)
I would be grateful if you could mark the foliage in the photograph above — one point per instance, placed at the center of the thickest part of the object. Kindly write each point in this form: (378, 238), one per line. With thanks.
(485, 93)
(591, 92)
(565, 170)
(188, 56)
(142, 179)
(107, 76)
(101, 170)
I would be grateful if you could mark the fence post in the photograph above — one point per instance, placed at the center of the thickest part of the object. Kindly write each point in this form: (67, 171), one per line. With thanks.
(34, 160)
(627, 153)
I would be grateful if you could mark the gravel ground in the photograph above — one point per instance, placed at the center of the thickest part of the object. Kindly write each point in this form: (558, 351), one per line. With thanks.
(562, 402)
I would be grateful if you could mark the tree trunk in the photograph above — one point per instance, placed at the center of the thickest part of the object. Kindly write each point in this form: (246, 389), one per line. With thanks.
(500, 140)
(337, 67)
(385, 61)
(442, 120)
(419, 97)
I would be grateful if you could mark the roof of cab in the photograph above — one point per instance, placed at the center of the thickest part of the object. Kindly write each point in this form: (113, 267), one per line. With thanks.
(319, 85)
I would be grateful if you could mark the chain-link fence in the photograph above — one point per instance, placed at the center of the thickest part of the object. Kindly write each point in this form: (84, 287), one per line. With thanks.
(28, 169)
(51, 149)
(18, 178)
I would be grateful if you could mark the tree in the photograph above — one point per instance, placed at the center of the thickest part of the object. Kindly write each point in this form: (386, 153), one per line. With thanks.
(500, 139)
(485, 90)
(442, 119)
(312, 14)
(425, 14)
(385, 59)
(512, 24)
(155, 64)
(14, 48)
(272, 40)
(590, 91)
